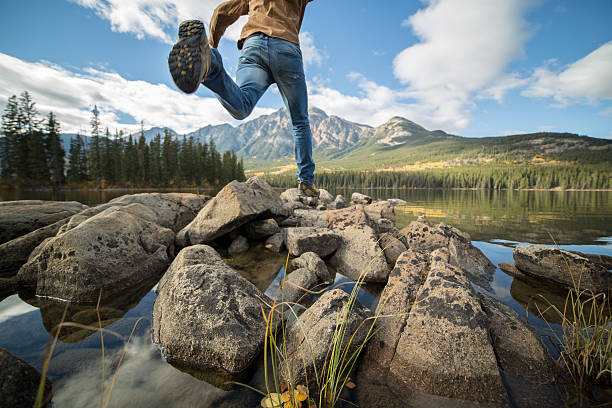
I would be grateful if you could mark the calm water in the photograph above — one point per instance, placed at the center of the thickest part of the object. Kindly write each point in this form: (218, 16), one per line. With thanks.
(497, 221)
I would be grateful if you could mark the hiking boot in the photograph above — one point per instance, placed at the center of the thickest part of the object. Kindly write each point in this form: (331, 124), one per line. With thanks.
(307, 190)
(189, 59)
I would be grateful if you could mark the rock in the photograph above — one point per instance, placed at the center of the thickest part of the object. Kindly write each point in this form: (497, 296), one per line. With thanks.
(310, 201)
(297, 284)
(261, 229)
(19, 383)
(359, 252)
(562, 267)
(112, 252)
(312, 262)
(341, 219)
(420, 235)
(235, 205)
(511, 270)
(517, 346)
(380, 210)
(321, 241)
(392, 247)
(7, 288)
(206, 315)
(340, 202)
(238, 246)
(358, 198)
(291, 221)
(14, 253)
(275, 242)
(324, 197)
(311, 218)
(290, 195)
(309, 338)
(444, 348)
(396, 202)
(383, 226)
(321, 207)
(18, 218)
(604, 260)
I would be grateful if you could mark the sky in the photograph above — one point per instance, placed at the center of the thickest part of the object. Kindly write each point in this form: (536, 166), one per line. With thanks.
(468, 67)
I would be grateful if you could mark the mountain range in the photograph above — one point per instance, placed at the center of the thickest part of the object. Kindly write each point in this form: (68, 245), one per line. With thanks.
(266, 143)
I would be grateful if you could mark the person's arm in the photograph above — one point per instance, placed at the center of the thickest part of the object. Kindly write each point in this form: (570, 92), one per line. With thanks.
(224, 16)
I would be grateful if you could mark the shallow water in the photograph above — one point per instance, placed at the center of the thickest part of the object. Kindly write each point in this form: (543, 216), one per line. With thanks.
(496, 222)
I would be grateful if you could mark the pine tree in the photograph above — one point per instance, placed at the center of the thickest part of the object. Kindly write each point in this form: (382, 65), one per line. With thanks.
(155, 158)
(95, 154)
(55, 151)
(31, 148)
(10, 131)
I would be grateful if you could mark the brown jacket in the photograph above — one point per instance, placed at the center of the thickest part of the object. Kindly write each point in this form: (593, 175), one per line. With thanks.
(275, 18)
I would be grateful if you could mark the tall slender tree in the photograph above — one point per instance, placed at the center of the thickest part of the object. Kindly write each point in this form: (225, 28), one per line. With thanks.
(55, 151)
(95, 149)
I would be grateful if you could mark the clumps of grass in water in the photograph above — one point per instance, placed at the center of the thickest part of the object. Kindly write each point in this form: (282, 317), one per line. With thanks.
(40, 402)
(330, 379)
(585, 340)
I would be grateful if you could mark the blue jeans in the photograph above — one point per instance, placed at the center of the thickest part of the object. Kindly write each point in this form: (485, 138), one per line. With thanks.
(264, 61)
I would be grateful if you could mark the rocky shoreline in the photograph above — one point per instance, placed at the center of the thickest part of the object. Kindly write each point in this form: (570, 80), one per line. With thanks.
(442, 334)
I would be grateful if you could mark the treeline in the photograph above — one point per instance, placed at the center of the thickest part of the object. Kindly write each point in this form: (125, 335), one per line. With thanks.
(498, 178)
(31, 153)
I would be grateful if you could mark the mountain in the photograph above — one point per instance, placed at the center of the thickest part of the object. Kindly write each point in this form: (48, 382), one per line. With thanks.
(266, 142)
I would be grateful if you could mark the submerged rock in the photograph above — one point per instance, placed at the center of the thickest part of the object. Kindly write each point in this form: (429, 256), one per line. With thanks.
(321, 241)
(18, 218)
(206, 315)
(563, 267)
(19, 383)
(238, 246)
(109, 252)
(235, 205)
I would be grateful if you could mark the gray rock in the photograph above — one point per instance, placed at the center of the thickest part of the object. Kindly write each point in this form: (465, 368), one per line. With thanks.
(321, 207)
(396, 202)
(340, 202)
(110, 252)
(18, 218)
(19, 383)
(311, 218)
(297, 285)
(321, 241)
(359, 252)
(275, 242)
(325, 197)
(290, 195)
(313, 262)
(358, 198)
(392, 246)
(238, 246)
(562, 267)
(14, 253)
(206, 315)
(444, 348)
(235, 205)
(261, 229)
(309, 338)
(380, 210)
(384, 225)
(347, 217)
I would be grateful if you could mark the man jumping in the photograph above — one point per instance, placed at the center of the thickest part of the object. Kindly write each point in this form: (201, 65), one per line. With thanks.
(270, 54)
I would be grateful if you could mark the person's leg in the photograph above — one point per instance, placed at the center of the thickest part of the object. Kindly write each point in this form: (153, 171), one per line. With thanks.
(288, 71)
(253, 78)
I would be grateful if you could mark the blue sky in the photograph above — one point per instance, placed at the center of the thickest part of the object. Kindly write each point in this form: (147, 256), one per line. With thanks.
(469, 67)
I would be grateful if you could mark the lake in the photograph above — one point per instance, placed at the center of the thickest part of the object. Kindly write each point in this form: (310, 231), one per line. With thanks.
(496, 221)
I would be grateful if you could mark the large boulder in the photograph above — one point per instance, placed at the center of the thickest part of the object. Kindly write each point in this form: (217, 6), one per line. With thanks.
(235, 205)
(310, 337)
(392, 246)
(261, 229)
(110, 252)
(562, 267)
(325, 197)
(444, 348)
(310, 218)
(7, 288)
(321, 241)
(19, 383)
(206, 315)
(423, 236)
(14, 253)
(21, 217)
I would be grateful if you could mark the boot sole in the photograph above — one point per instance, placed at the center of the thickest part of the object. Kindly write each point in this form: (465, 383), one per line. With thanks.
(186, 61)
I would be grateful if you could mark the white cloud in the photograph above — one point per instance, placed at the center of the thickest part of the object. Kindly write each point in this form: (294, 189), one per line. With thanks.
(587, 80)
(72, 95)
(156, 18)
(311, 55)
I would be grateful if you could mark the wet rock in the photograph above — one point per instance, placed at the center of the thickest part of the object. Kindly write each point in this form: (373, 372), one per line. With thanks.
(511, 270)
(562, 267)
(18, 218)
(313, 262)
(325, 197)
(261, 229)
(393, 248)
(206, 315)
(309, 338)
(7, 287)
(321, 241)
(359, 252)
(396, 202)
(358, 198)
(275, 242)
(444, 348)
(238, 246)
(14, 253)
(19, 383)
(235, 205)
(110, 252)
